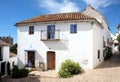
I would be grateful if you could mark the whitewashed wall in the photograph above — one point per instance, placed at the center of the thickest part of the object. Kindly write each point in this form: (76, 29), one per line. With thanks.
(104, 33)
(101, 19)
(6, 52)
(78, 46)
(93, 13)
(13, 59)
(97, 45)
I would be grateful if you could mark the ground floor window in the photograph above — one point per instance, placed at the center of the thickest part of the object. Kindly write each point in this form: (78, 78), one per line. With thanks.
(98, 54)
(104, 53)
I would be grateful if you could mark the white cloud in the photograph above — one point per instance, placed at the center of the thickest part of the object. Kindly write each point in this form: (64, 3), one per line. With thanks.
(59, 7)
(100, 3)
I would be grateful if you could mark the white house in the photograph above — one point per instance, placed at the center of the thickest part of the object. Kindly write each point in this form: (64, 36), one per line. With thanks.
(5, 43)
(4, 57)
(115, 41)
(53, 38)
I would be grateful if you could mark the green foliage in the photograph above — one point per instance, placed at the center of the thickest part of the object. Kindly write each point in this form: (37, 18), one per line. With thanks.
(64, 74)
(14, 48)
(69, 68)
(24, 72)
(19, 73)
(15, 67)
(118, 38)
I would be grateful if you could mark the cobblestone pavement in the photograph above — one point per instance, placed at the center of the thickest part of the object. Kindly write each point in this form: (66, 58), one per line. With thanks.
(30, 78)
(108, 71)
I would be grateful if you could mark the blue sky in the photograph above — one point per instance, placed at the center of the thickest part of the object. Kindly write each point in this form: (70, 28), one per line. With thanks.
(12, 11)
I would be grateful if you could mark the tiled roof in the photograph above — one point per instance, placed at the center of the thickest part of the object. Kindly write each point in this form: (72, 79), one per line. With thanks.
(2, 43)
(57, 17)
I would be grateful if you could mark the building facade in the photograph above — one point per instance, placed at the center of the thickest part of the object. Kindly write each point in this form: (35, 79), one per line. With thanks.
(4, 57)
(53, 38)
(115, 46)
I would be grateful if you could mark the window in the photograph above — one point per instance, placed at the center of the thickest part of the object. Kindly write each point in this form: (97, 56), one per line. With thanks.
(73, 28)
(51, 32)
(103, 42)
(98, 54)
(31, 29)
(104, 53)
(116, 44)
(107, 40)
(1, 54)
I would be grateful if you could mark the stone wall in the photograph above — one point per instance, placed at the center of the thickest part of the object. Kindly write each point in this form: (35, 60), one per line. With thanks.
(7, 39)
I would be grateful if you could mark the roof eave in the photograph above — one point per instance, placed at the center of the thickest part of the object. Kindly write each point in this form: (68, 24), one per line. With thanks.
(99, 24)
(17, 24)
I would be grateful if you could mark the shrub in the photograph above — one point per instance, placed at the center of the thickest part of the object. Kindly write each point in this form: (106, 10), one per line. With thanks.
(108, 54)
(24, 72)
(68, 68)
(64, 74)
(19, 73)
(15, 67)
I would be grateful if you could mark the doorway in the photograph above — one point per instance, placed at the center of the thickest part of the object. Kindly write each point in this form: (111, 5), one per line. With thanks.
(51, 60)
(31, 58)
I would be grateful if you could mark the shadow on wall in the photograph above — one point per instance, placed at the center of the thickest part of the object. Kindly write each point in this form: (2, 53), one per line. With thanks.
(20, 64)
(40, 61)
(39, 57)
(56, 45)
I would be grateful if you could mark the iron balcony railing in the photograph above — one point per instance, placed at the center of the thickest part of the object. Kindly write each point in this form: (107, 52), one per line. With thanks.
(50, 35)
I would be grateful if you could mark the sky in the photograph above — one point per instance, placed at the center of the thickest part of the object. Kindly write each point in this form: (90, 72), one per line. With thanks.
(13, 11)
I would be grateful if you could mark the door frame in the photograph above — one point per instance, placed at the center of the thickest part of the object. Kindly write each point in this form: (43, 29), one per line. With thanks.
(53, 62)
(33, 55)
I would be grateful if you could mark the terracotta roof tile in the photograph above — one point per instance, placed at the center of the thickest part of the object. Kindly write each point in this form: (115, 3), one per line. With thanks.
(57, 17)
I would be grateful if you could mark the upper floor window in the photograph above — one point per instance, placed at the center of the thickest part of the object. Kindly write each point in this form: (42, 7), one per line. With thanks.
(73, 28)
(31, 29)
(51, 32)
(1, 58)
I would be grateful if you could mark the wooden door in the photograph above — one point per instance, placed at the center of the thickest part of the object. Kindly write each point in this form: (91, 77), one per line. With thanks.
(51, 60)
(31, 57)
